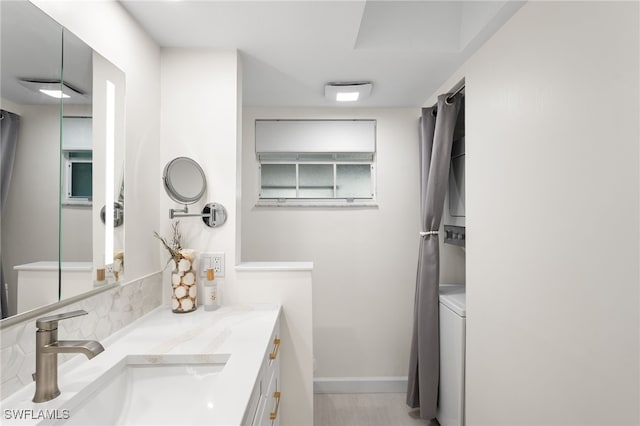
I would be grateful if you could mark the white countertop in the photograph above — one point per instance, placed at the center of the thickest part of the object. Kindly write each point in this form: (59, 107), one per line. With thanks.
(240, 333)
(274, 266)
(52, 265)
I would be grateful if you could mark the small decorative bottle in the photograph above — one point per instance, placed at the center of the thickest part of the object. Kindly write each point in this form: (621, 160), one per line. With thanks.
(100, 277)
(210, 290)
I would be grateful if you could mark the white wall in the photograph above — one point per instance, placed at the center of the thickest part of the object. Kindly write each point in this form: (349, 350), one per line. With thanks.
(199, 120)
(553, 217)
(292, 289)
(201, 108)
(109, 30)
(365, 259)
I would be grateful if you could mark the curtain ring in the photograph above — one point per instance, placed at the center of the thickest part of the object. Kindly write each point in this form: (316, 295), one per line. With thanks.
(446, 100)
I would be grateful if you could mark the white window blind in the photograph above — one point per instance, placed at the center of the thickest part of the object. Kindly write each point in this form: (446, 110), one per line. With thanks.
(77, 133)
(315, 139)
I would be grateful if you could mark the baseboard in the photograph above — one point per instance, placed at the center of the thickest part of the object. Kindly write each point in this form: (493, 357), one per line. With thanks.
(360, 384)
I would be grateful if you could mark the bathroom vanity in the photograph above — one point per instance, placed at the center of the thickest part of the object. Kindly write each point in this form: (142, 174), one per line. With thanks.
(216, 368)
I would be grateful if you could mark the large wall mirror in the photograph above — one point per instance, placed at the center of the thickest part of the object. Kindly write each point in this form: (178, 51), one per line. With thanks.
(62, 173)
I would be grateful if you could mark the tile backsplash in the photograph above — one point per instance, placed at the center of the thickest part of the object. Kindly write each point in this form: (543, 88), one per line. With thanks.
(108, 312)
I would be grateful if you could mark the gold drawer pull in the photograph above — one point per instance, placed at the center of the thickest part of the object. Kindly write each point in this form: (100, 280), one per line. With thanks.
(276, 395)
(274, 354)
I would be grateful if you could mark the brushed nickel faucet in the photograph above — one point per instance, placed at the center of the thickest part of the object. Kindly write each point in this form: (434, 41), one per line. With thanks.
(47, 349)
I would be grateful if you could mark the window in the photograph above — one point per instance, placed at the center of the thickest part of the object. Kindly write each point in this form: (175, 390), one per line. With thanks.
(78, 178)
(345, 182)
(78, 156)
(316, 162)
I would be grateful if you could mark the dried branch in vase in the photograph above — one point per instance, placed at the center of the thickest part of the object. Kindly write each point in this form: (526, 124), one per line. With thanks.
(174, 245)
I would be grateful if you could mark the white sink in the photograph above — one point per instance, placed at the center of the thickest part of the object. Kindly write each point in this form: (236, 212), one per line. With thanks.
(136, 392)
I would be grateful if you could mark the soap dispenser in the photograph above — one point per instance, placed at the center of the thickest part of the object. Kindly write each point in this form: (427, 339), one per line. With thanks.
(210, 290)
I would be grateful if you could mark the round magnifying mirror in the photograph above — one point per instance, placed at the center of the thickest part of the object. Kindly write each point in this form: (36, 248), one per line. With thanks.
(184, 180)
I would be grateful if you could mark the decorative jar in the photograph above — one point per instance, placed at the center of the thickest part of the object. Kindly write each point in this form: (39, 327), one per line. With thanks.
(183, 281)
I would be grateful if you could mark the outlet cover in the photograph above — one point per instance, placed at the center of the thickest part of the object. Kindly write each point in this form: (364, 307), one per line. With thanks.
(216, 260)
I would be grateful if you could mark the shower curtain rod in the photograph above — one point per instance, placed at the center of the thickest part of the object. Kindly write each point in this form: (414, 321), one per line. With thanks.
(460, 89)
(452, 94)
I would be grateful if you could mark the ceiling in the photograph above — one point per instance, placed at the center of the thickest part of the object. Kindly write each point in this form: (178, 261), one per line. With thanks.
(290, 49)
(34, 46)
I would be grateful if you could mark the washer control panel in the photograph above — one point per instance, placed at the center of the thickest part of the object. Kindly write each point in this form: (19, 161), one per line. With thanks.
(455, 235)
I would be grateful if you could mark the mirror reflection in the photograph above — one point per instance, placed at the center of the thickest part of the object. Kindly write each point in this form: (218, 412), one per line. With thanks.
(31, 50)
(76, 191)
(62, 159)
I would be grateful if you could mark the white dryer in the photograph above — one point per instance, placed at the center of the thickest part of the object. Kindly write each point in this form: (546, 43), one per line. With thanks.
(452, 352)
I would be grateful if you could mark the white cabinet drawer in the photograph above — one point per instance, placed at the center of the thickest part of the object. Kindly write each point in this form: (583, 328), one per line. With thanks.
(266, 393)
(261, 419)
(272, 359)
(268, 413)
(273, 395)
(250, 412)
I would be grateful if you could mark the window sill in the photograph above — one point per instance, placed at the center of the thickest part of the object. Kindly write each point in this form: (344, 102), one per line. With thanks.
(77, 203)
(318, 203)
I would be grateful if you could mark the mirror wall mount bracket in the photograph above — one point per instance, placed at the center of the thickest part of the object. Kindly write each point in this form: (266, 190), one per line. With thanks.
(118, 214)
(213, 214)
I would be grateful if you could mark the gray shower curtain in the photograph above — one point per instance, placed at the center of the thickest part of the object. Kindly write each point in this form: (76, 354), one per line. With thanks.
(8, 141)
(436, 137)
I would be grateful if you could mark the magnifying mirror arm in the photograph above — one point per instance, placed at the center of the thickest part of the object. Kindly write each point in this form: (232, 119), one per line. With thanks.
(179, 212)
(213, 214)
(173, 213)
(192, 215)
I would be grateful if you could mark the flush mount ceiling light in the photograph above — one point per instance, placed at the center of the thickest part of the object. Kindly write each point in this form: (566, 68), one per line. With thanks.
(53, 88)
(347, 91)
